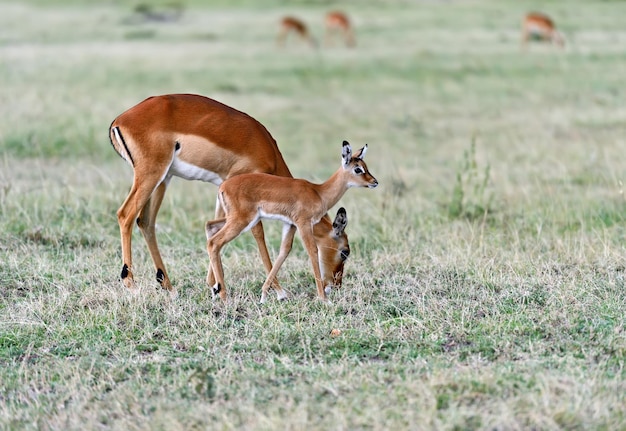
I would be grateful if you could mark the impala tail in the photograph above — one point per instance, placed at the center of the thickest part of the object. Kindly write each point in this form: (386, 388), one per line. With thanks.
(119, 144)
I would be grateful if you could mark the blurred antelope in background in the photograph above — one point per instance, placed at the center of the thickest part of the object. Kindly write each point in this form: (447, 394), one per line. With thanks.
(542, 27)
(291, 25)
(338, 23)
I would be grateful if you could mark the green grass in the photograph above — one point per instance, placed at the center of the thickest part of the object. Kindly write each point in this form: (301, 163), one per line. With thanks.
(485, 288)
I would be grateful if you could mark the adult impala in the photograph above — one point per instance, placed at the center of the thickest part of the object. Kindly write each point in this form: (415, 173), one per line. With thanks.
(292, 25)
(541, 26)
(196, 138)
(248, 198)
(338, 23)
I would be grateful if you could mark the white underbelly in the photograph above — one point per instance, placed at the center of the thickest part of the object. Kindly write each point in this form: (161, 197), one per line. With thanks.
(188, 171)
(280, 217)
(264, 215)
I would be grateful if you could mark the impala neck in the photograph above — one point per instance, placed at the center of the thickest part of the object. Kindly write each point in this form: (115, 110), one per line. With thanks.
(333, 189)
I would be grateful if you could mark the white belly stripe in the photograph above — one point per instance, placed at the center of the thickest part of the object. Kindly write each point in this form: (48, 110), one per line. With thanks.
(279, 217)
(188, 171)
(263, 215)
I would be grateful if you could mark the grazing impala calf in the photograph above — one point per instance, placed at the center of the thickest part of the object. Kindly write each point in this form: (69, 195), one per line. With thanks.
(289, 25)
(338, 23)
(540, 26)
(195, 138)
(248, 198)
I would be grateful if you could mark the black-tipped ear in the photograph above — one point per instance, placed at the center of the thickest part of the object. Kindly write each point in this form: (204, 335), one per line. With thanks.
(361, 153)
(341, 221)
(346, 153)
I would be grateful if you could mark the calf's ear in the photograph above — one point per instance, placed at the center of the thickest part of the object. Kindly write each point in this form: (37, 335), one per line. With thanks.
(341, 221)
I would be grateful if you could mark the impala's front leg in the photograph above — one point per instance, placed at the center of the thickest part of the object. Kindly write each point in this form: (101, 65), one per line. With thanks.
(289, 232)
(306, 232)
(259, 236)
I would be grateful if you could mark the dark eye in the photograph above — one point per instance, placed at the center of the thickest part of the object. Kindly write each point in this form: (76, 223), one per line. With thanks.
(345, 253)
(358, 170)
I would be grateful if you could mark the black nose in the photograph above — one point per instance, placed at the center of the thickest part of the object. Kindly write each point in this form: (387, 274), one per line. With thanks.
(374, 184)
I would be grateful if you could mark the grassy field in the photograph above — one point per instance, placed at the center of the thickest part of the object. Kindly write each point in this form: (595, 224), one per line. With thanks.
(485, 289)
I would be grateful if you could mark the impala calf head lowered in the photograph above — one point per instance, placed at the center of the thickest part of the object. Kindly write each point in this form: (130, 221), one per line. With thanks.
(335, 251)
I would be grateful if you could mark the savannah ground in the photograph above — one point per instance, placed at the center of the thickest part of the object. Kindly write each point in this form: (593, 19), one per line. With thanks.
(485, 289)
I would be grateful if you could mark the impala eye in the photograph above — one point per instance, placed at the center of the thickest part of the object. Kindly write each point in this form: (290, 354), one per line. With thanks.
(345, 253)
(358, 170)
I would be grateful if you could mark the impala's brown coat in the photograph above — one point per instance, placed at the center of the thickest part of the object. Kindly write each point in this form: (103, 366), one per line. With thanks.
(192, 137)
(289, 25)
(298, 203)
(541, 26)
(338, 23)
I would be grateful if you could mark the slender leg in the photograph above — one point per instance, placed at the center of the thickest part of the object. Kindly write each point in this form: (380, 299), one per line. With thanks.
(214, 246)
(136, 200)
(146, 222)
(219, 214)
(285, 247)
(306, 232)
(125, 220)
(211, 228)
(259, 236)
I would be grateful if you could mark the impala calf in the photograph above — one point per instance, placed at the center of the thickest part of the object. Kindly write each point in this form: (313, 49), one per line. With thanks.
(291, 25)
(248, 198)
(339, 23)
(540, 26)
(194, 138)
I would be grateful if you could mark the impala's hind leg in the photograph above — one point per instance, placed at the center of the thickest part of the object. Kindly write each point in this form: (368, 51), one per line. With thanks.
(211, 227)
(142, 204)
(146, 222)
(259, 236)
(219, 234)
(137, 199)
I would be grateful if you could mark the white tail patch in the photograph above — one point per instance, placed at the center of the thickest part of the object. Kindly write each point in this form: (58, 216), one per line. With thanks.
(121, 145)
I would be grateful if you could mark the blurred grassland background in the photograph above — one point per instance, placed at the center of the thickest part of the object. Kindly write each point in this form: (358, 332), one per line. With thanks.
(485, 289)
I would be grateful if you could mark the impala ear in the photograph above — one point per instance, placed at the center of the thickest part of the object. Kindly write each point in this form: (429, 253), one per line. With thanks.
(340, 223)
(346, 154)
(361, 153)
(213, 226)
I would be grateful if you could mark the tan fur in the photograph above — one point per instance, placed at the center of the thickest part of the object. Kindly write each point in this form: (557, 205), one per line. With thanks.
(211, 136)
(291, 25)
(299, 203)
(542, 26)
(338, 23)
